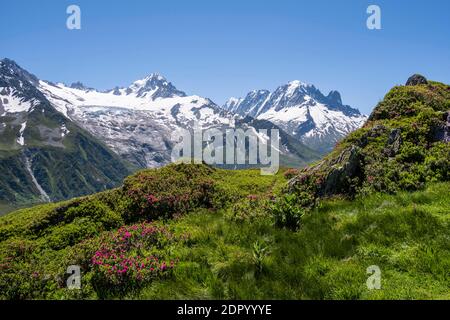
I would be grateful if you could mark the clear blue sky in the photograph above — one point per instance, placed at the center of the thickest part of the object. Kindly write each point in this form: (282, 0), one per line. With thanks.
(223, 48)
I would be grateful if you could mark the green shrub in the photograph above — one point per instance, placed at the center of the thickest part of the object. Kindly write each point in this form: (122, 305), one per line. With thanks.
(410, 153)
(259, 252)
(70, 234)
(249, 209)
(130, 257)
(21, 274)
(286, 212)
(96, 211)
(437, 162)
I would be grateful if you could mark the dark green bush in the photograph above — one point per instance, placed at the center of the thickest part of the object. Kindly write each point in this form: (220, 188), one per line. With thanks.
(437, 162)
(287, 213)
(168, 191)
(249, 209)
(97, 212)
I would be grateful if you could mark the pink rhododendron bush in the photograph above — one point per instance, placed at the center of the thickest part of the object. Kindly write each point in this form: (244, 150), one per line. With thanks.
(123, 260)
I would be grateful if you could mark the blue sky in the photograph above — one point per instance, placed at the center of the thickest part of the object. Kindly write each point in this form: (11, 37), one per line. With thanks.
(224, 48)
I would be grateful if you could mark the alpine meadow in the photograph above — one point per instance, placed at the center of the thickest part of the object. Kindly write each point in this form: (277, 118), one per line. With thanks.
(191, 231)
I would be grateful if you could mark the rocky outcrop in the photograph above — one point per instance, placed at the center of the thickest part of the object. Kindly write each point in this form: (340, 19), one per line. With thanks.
(441, 132)
(345, 169)
(338, 175)
(416, 80)
(394, 143)
(447, 127)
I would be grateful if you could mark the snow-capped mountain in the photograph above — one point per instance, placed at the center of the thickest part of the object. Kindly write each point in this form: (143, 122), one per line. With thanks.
(137, 122)
(43, 154)
(300, 109)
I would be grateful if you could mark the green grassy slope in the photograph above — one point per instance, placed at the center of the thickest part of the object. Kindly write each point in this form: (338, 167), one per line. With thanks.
(85, 168)
(405, 235)
(224, 244)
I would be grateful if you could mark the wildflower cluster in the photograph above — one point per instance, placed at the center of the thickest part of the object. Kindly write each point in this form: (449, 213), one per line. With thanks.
(132, 254)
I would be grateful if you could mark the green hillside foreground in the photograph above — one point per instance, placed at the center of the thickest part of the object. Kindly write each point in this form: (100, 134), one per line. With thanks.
(218, 240)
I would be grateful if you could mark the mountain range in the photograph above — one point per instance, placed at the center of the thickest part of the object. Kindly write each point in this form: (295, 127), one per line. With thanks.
(300, 109)
(59, 141)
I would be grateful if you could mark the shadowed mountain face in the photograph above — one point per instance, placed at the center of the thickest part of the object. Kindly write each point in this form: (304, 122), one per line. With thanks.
(44, 155)
(302, 111)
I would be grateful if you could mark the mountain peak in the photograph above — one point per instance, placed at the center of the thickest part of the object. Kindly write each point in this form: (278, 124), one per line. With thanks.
(334, 97)
(298, 83)
(259, 92)
(152, 78)
(11, 69)
(156, 76)
(79, 85)
(295, 87)
(154, 86)
(7, 61)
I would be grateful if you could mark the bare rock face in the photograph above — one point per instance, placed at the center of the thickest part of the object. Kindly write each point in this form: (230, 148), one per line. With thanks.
(336, 176)
(345, 168)
(394, 143)
(441, 132)
(447, 127)
(416, 80)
